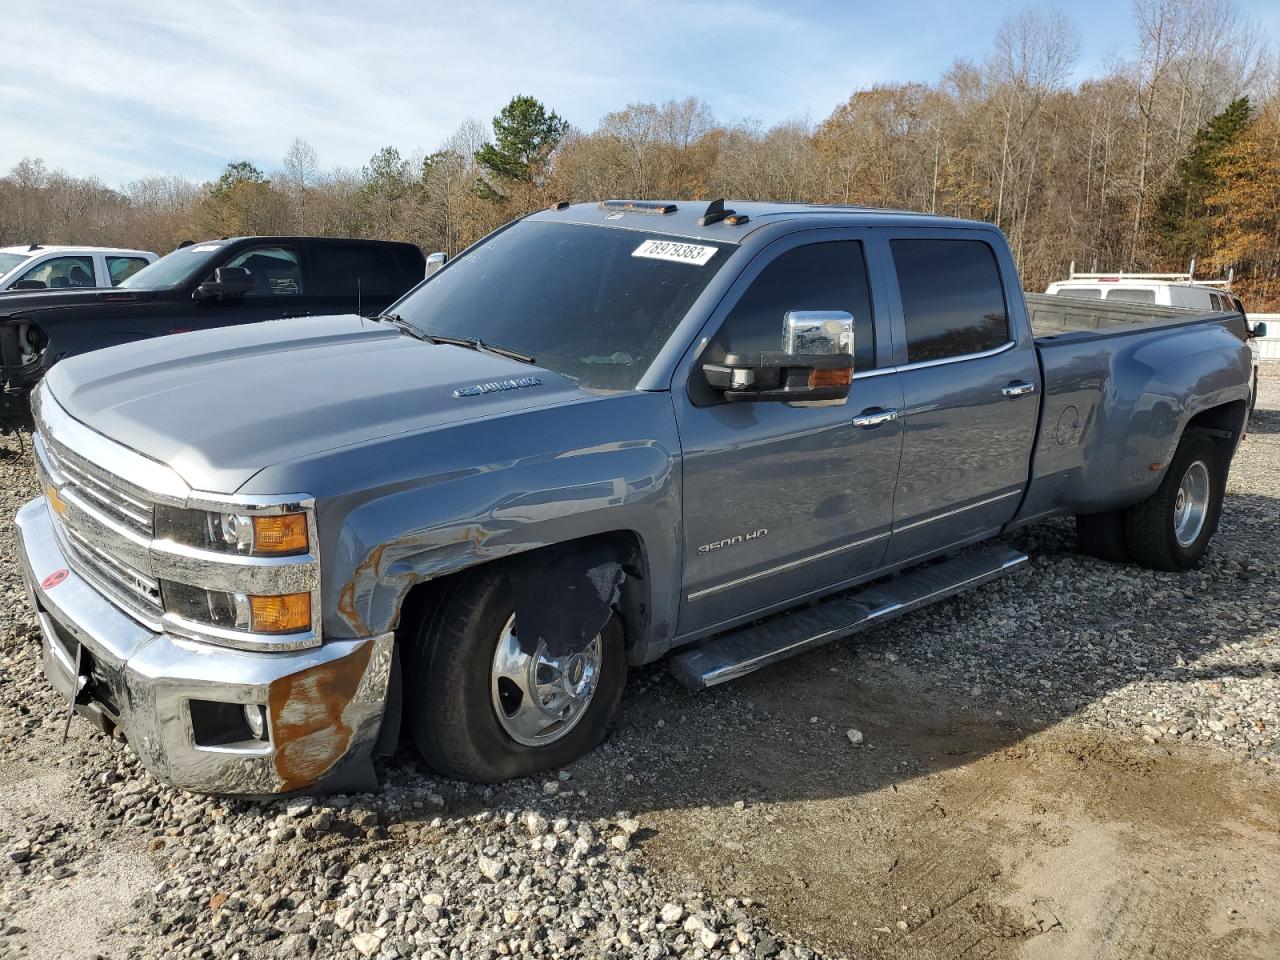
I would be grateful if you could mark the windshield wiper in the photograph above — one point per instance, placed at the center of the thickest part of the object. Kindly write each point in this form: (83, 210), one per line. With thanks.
(405, 326)
(475, 343)
(471, 343)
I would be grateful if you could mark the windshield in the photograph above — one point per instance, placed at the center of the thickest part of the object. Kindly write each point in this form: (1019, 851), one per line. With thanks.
(595, 304)
(171, 270)
(10, 260)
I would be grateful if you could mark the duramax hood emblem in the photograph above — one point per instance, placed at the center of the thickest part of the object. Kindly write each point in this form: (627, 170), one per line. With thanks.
(497, 386)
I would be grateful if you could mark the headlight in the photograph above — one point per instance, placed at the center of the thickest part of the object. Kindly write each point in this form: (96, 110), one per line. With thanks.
(258, 535)
(273, 613)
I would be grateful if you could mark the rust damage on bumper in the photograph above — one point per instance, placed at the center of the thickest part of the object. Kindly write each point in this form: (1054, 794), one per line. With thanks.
(310, 725)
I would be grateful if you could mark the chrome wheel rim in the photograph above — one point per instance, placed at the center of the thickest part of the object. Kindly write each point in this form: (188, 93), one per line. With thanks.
(1191, 505)
(538, 699)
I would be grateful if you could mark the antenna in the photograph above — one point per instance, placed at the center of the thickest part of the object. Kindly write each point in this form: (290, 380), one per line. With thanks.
(360, 301)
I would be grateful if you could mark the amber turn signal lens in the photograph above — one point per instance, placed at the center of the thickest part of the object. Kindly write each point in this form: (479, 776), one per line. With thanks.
(283, 614)
(286, 533)
(830, 378)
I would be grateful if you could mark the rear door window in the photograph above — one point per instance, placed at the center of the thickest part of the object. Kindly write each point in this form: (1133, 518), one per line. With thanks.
(952, 298)
(122, 268)
(343, 269)
(58, 273)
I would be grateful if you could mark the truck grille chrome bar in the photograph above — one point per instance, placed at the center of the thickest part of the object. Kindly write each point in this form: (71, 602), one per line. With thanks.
(121, 583)
(101, 489)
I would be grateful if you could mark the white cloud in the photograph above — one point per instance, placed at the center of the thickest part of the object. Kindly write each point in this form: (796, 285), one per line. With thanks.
(141, 87)
(186, 87)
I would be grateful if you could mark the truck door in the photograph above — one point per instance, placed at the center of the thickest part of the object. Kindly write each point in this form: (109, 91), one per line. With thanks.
(969, 381)
(781, 500)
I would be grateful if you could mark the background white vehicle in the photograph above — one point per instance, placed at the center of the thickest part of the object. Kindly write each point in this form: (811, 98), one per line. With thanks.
(1162, 289)
(39, 267)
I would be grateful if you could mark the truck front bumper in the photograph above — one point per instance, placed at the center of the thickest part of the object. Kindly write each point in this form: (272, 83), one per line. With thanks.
(172, 697)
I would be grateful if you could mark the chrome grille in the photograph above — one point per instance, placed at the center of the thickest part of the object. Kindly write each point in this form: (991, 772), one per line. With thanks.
(100, 522)
(101, 489)
(131, 589)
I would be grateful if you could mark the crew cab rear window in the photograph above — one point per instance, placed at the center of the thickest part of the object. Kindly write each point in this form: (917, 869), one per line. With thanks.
(122, 268)
(952, 299)
(818, 276)
(345, 269)
(1132, 295)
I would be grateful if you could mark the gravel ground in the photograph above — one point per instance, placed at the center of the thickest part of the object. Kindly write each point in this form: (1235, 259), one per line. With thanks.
(749, 820)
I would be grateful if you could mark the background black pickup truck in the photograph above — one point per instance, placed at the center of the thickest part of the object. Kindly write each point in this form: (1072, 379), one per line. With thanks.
(212, 284)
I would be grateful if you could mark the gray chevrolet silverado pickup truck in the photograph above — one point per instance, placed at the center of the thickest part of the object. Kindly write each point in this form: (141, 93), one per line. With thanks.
(604, 434)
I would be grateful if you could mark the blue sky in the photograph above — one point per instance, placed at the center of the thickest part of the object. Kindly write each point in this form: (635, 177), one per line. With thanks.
(183, 86)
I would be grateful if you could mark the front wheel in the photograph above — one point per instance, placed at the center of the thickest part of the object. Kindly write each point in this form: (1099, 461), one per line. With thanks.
(1171, 529)
(482, 709)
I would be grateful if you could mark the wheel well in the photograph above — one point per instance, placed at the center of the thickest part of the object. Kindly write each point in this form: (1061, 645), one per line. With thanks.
(1225, 423)
(633, 605)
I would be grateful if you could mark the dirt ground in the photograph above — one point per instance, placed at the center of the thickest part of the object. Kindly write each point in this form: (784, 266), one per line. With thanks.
(1061, 843)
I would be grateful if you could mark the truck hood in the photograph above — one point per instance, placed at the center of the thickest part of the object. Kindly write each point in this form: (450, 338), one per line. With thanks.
(219, 405)
(14, 302)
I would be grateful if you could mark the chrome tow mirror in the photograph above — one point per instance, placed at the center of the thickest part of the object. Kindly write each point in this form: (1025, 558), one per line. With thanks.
(814, 366)
(435, 261)
(817, 332)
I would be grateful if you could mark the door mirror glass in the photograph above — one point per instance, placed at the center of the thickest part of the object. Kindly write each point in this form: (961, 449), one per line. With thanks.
(227, 282)
(817, 332)
(435, 261)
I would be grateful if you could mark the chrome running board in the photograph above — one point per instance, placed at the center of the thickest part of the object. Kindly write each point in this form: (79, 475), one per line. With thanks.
(731, 655)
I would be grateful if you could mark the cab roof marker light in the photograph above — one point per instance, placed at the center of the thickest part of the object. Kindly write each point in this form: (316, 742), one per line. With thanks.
(714, 213)
(638, 206)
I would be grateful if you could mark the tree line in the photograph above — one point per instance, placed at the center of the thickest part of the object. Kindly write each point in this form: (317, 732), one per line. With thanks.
(1170, 154)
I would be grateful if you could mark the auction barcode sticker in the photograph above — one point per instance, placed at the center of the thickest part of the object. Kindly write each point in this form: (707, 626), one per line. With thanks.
(694, 253)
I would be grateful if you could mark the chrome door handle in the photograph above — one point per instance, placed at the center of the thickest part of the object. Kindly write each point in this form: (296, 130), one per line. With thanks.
(1019, 389)
(873, 418)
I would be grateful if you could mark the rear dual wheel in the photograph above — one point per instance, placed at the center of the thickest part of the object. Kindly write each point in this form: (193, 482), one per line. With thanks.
(1171, 529)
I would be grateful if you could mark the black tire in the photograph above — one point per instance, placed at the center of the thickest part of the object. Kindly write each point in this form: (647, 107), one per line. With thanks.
(1102, 535)
(1149, 525)
(447, 691)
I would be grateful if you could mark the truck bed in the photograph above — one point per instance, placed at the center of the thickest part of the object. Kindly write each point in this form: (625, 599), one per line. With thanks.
(1119, 380)
(1055, 317)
